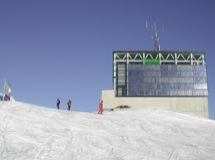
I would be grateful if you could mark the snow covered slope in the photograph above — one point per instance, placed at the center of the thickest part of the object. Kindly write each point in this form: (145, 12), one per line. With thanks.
(30, 132)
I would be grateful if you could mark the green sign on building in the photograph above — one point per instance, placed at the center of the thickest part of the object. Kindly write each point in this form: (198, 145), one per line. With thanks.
(151, 61)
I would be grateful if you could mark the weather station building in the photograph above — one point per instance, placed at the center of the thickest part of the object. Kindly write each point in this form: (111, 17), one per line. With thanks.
(171, 80)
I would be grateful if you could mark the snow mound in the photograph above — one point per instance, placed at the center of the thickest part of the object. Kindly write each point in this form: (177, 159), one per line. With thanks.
(30, 132)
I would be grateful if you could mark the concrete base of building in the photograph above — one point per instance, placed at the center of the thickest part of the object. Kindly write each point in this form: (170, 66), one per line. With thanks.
(194, 105)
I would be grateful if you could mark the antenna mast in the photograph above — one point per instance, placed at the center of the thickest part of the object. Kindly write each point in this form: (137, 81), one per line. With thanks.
(156, 39)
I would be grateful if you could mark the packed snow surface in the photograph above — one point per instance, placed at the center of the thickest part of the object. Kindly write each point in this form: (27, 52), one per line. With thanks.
(30, 132)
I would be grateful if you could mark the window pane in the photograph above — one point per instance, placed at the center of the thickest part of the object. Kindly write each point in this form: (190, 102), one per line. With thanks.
(187, 74)
(200, 79)
(185, 80)
(184, 68)
(200, 86)
(184, 86)
(172, 67)
(199, 73)
(199, 67)
(164, 67)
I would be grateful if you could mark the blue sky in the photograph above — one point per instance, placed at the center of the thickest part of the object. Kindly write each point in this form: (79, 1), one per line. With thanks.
(63, 49)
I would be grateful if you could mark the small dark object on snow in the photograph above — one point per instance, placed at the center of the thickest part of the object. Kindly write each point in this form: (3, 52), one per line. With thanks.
(121, 107)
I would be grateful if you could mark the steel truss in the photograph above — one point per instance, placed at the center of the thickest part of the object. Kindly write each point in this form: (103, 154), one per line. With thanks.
(167, 57)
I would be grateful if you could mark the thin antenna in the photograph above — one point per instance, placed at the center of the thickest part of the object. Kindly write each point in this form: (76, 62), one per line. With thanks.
(156, 46)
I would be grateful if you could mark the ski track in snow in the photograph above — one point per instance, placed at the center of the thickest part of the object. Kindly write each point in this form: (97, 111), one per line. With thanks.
(30, 132)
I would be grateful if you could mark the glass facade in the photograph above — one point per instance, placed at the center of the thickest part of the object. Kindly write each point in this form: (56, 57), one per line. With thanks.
(166, 80)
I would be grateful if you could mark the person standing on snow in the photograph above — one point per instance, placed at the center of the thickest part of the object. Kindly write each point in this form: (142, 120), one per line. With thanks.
(100, 108)
(58, 103)
(69, 105)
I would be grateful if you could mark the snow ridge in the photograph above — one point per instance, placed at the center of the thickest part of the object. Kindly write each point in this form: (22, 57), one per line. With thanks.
(39, 133)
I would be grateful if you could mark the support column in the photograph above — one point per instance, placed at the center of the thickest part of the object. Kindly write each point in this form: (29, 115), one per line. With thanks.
(114, 74)
(191, 58)
(176, 58)
(159, 56)
(203, 59)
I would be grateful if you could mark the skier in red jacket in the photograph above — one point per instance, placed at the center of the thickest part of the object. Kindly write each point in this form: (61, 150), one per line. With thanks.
(100, 108)
(58, 103)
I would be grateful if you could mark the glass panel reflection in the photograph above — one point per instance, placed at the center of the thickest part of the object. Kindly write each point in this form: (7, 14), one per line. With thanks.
(167, 80)
(199, 73)
(200, 86)
(200, 79)
(199, 67)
